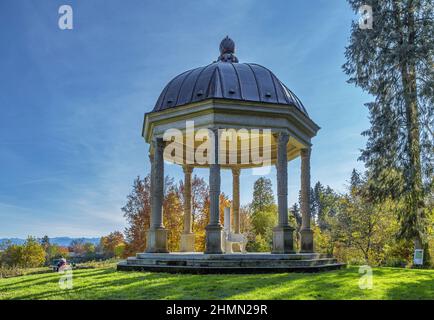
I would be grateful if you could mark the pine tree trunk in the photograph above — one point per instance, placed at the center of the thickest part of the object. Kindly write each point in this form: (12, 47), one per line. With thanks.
(408, 76)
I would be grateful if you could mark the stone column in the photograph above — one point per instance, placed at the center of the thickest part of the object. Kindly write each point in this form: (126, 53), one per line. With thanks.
(236, 199)
(187, 237)
(283, 232)
(157, 234)
(151, 160)
(306, 234)
(213, 230)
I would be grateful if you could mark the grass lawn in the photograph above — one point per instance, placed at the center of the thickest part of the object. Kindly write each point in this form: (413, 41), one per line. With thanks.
(107, 283)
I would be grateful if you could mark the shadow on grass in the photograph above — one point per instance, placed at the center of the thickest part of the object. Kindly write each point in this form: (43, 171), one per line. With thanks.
(343, 284)
(46, 278)
(109, 284)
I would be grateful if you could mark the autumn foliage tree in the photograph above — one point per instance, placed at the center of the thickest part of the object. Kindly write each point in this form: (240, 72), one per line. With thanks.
(113, 244)
(173, 214)
(30, 254)
(137, 211)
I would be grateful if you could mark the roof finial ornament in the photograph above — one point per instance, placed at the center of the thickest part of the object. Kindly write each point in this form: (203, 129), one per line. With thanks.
(227, 50)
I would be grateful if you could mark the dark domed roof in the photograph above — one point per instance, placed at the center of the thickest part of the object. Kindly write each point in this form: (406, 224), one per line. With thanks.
(227, 79)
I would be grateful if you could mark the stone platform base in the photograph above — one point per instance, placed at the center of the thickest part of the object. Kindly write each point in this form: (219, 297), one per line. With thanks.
(190, 262)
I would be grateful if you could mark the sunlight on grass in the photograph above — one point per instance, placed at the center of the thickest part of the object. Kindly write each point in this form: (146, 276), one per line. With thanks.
(107, 283)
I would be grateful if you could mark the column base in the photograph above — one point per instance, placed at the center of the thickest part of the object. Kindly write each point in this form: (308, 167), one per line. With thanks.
(157, 240)
(306, 241)
(187, 242)
(283, 239)
(214, 239)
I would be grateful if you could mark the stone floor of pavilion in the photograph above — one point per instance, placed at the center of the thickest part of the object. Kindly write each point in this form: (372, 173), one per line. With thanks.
(195, 262)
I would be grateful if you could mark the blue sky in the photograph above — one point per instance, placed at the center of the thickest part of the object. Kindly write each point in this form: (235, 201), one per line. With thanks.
(72, 101)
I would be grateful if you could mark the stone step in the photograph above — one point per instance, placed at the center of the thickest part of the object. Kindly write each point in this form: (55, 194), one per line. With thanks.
(230, 263)
(124, 266)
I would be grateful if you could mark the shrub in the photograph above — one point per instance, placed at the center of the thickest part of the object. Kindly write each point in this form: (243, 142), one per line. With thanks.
(260, 244)
(395, 262)
(7, 272)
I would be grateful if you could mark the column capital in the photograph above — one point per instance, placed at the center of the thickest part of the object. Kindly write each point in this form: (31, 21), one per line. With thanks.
(157, 143)
(236, 171)
(214, 130)
(305, 153)
(282, 137)
(188, 169)
(214, 147)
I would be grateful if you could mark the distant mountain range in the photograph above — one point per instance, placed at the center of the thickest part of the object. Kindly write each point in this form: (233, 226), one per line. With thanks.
(61, 241)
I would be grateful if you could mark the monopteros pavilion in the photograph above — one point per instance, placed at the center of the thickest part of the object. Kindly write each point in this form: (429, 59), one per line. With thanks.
(234, 116)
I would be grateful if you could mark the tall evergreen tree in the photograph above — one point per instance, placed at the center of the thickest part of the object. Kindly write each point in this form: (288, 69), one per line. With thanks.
(316, 205)
(295, 211)
(263, 215)
(393, 62)
(263, 197)
(45, 242)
